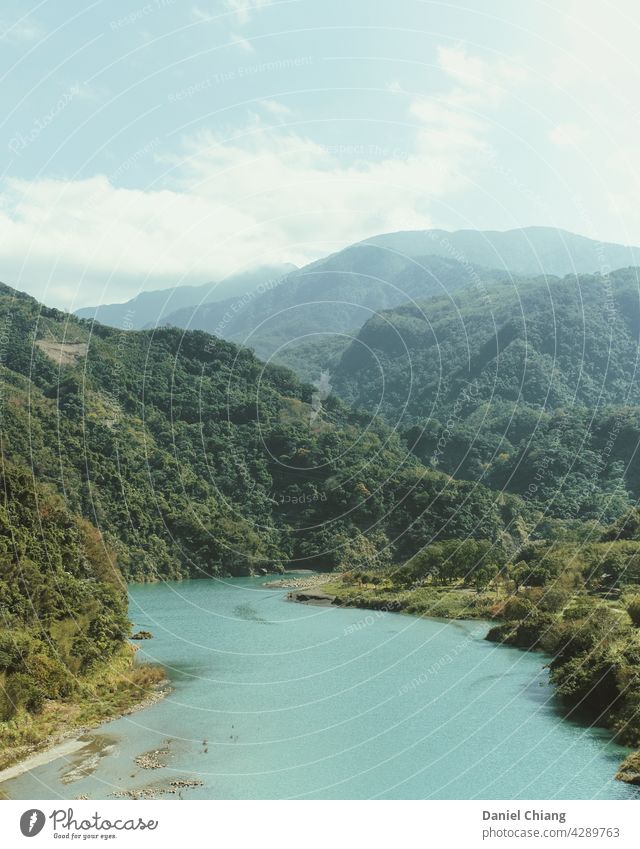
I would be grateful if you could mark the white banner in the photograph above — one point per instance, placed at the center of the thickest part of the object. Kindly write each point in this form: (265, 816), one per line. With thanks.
(307, 824)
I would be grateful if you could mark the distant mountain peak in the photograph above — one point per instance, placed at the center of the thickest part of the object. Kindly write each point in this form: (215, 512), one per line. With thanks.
(534, 249)
(150, 308)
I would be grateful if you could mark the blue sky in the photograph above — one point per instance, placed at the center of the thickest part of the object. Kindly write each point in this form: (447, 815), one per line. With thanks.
(167, 142)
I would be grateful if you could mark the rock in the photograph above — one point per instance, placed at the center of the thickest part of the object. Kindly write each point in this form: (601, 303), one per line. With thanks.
(312, 597)
(499, 633)
(630, 769)
(152, 760)
(173, 788)
(142, 635)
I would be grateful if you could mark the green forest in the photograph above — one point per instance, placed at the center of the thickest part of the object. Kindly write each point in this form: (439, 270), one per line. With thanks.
(194, 458)
(498, 482)
(62, 598)
(528, 386)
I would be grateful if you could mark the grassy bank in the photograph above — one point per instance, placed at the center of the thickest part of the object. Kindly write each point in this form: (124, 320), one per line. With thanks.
(120, 687)
(432, 601)
(591, 636)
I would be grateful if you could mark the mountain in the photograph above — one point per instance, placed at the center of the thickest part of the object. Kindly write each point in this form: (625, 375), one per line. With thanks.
(194, 458)
(148, 309)
(330, 297)
(526, 251)
(529, 386)
(166, 454)
(546, 343)
(335, 296)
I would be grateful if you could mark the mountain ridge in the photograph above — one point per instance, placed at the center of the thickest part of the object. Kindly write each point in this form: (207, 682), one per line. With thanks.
(529, 388)
(148, 308)
(195, 458)
(338, 293)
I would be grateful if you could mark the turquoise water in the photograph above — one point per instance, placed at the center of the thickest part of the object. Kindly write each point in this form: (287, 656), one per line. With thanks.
(279, 700)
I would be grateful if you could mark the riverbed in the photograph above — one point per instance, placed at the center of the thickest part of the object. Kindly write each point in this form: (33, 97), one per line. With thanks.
(274, 700)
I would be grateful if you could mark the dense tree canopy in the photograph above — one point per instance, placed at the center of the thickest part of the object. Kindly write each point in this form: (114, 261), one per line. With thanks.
(529, 386)
(62, 600)
(193, 457)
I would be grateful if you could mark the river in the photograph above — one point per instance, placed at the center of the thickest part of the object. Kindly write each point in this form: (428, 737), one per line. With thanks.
(273, 699)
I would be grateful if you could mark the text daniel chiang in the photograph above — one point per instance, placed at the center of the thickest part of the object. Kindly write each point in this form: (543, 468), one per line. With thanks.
(530, 816)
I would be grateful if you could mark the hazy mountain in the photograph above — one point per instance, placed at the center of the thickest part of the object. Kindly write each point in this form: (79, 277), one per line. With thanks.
(332, 296)
(529, 250)
(149, 309)
(338, 294)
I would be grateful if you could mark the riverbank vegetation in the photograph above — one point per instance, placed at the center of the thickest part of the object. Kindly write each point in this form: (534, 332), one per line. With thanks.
(64, 659)
(578, 601)
(154, 455)
(115, 688)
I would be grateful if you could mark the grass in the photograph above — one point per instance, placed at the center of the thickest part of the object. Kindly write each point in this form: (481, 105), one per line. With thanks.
(120, 686)
(429, 600)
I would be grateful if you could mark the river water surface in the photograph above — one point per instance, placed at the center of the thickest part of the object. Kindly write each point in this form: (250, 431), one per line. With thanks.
(273, 699)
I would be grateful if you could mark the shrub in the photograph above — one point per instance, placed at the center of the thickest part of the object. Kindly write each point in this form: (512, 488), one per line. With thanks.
(23, 692)
(517, 608)
(554, 599)
(633, 609)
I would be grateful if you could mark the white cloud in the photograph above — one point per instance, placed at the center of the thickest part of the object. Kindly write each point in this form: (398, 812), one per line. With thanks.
(245, 8)
(242, 43)
(266, 196)
(481, 82)
(590, 77)
(23, 31)
(567, 135)
(448, 127)
(198, 14)
(275, 108)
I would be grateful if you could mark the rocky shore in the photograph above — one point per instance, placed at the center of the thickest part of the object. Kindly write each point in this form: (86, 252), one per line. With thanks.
(311, 596)
(303, 582)
(67, 738)
(630, 769)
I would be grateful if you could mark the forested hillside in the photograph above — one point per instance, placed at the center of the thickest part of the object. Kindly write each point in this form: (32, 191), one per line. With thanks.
(336, 295)
(194, 458)
(62, 600)
(529, 386)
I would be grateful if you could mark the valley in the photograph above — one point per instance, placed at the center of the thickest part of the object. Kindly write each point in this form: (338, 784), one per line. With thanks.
(470, 454)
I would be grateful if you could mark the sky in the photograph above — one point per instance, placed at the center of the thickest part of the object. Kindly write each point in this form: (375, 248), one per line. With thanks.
(154, 144)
